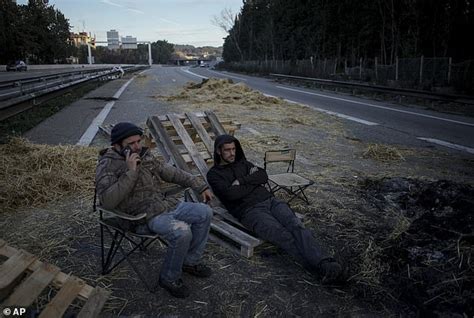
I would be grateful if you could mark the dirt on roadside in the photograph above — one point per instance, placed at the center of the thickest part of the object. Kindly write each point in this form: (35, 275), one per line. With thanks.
(399, 218)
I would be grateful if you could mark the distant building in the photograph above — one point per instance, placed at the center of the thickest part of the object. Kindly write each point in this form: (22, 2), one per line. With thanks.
(129, 42)
(82, 38)
(113, 40)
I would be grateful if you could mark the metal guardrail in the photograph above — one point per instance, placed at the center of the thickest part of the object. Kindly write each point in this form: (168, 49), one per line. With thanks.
(462, 99)
(16, 95)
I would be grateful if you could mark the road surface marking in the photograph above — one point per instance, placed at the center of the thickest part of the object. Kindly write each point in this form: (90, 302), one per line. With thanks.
(358, 120)
(447, 144)
(378, 106)
(93, 128)
(189, 72)
(227, 74)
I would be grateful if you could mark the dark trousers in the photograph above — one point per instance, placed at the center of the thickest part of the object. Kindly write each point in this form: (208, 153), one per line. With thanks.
(273, 220)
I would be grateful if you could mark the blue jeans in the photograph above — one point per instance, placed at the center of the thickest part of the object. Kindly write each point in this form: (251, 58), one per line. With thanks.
(274, 221)
(186, 229)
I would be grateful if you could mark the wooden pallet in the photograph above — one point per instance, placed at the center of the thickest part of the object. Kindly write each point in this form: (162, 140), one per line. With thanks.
(187, 141)
(23, 278)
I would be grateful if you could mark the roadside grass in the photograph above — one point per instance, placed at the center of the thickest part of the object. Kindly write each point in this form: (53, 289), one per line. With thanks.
(17, 125)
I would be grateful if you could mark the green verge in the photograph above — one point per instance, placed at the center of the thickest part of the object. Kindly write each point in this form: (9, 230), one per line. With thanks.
(17, 125)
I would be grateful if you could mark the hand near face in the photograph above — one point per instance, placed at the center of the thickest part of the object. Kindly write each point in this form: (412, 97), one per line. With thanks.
(132, 160)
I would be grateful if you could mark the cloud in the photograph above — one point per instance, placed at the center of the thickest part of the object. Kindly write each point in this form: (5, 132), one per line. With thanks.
(180, 32)
(115, 4)
(135, 11)
(169, 21)
(112, 3)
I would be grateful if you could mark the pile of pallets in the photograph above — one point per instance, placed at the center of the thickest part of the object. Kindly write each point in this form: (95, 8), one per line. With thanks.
(23, 278)
(187, 141)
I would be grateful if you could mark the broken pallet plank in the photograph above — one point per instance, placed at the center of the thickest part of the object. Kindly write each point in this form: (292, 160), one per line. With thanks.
(196, 122)
(190, 146)
(169, 148)
(26, 293)
(14, 267)
(66, 295)
(94, 304)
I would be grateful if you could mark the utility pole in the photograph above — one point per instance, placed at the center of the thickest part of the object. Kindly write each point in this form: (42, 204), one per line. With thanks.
(89, 53)
(150, 60)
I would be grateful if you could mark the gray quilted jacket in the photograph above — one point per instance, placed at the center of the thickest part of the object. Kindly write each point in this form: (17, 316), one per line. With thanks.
(135, 192)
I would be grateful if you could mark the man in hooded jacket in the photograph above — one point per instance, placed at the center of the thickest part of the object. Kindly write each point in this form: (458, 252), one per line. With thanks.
(128, 179)
(240, 186)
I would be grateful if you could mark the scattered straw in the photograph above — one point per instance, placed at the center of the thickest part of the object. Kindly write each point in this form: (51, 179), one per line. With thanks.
(382, 153)
(32, 174)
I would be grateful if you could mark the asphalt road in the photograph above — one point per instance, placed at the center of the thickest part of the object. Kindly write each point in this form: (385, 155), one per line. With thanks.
(367, 120)
(370, 120)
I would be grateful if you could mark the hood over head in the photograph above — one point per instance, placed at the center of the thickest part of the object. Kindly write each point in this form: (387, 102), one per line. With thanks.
(227, 139)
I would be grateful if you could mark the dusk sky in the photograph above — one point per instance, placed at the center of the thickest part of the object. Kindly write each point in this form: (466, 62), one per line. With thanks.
(177, 21)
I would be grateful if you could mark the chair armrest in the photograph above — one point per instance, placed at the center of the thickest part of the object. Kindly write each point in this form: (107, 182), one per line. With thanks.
(121, 215)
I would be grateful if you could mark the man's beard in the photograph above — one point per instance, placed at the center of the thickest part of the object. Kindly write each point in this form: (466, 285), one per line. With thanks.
(227, 161)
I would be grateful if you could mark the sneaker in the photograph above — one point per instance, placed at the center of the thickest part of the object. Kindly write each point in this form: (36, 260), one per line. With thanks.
(330, 271)
(199, 270)
(176, 289)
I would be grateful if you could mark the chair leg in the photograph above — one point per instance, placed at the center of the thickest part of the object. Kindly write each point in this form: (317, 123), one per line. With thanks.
(135, 269)
(298, 194)
(116, 240)
(117, 237)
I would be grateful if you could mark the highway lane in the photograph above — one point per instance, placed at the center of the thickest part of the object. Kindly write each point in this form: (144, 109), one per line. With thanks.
(369, 120)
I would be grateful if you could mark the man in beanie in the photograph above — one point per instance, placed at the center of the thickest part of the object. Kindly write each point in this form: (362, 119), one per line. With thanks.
(240, 186)
(128, 179)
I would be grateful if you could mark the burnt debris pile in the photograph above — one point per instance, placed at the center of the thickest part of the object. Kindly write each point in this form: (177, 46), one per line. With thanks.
(431, 264)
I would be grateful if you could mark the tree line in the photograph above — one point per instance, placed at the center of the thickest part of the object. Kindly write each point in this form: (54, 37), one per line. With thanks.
(346, 29)
(40, 34)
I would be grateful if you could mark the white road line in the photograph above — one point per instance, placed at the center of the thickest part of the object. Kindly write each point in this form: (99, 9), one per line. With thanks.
(189, 72)
(227, 74)
(358, 120)
(124, 86)
(448, 144)
(91, 131)
(378, 106)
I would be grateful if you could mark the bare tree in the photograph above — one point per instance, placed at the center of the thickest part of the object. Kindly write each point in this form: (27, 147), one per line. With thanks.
(226, 21)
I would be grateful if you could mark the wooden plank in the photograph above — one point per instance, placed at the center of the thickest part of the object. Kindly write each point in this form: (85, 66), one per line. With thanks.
(222, 212)
(66, 295)
(243, 250)
(25, 294)
(196, 122)
(94, 304)
(181, 116)
(235, 234)
(159, 133)
(207, 126)
(188, 143)
(215, 124)
(14, 267)
(58, 281)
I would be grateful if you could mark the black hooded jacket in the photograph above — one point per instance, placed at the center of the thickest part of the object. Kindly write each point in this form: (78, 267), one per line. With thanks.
(250, 191)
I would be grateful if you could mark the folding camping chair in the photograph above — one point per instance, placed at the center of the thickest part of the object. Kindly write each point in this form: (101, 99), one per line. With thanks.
(289, 181)
(116, 224)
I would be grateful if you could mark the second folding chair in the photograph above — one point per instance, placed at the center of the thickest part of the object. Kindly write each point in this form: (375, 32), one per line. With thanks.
(289, 181)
